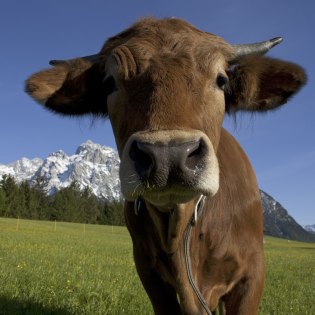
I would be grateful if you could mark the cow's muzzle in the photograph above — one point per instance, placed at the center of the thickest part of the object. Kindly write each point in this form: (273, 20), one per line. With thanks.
(168, 167)
(166, 164)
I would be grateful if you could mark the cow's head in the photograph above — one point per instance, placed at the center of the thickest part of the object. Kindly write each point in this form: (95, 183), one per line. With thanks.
(165, 87)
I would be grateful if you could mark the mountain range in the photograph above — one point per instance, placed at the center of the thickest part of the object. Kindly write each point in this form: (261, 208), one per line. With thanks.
(92, 165)
(97, 167)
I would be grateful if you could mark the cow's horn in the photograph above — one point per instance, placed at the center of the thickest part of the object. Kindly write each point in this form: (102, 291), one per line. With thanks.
(91, 58)
(256, 48)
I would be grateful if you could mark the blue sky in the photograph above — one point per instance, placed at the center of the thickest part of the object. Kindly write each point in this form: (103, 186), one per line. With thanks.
(280, 144)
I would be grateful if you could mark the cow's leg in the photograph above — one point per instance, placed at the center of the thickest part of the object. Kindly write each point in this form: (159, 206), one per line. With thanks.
(244, 299)
(162, 295)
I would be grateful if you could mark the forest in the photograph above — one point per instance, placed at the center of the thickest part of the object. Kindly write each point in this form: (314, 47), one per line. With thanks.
(70, 204)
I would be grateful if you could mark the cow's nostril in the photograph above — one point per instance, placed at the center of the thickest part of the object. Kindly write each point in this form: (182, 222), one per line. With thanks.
(196, 153)
(144, 161)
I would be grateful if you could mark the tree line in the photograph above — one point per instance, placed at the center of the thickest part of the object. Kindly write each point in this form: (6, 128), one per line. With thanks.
(70, 204)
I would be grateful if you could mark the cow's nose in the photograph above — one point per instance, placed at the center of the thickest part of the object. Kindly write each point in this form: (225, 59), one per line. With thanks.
(144, 157)
(174, 162)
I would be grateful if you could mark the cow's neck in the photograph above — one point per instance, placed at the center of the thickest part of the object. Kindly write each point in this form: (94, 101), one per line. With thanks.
(170, 226)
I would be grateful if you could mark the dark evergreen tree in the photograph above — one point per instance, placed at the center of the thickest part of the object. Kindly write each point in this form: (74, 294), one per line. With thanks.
(114, 213)
(12, 206)
(68, 204)
(40, 200)
(89, 207)
(2, 202)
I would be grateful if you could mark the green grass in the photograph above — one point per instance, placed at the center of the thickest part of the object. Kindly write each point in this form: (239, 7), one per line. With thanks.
(88, 270)
(290, 280)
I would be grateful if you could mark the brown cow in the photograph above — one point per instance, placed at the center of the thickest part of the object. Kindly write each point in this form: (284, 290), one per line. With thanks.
(165, 87)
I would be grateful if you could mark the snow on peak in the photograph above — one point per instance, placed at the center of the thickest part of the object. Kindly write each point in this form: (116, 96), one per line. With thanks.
(87, 145)
(59, 154)
(93, 166)
(96, 153)
(22, 169)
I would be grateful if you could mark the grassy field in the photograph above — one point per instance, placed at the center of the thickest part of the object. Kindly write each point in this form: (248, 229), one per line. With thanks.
(64, 268)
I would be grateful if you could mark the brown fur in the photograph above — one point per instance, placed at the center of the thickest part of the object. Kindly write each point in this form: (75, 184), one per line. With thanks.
(166, 75)
(226, 245)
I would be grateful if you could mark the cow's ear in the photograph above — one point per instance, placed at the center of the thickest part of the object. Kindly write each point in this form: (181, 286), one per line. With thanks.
(72, 87)
(258, 83)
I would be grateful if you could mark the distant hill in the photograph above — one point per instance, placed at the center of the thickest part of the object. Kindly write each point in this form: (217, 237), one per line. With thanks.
(278, 223)
(310, 228)
(97, 167)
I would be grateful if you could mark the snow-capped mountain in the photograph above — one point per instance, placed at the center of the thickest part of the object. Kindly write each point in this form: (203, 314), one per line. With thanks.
(310, 228)
(92, 165)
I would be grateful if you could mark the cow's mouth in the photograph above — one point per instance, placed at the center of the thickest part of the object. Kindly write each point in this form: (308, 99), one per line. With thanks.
(166, 200)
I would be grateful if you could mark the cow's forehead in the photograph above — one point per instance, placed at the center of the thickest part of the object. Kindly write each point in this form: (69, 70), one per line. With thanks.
(153, 41)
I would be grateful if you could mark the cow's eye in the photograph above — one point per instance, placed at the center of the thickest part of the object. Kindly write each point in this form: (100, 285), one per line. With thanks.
(222, 81)
(110, 85)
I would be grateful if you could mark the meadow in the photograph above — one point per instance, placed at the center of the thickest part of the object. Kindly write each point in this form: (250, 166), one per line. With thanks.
(63, 268)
